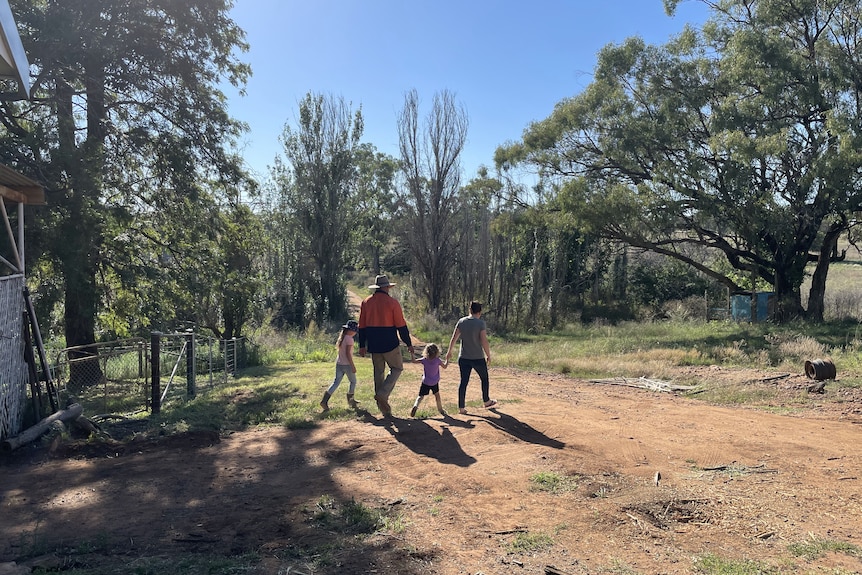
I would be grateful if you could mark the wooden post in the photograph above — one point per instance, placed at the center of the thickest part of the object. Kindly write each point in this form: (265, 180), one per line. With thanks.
(40, 346)
(191, 388)
(155, 375)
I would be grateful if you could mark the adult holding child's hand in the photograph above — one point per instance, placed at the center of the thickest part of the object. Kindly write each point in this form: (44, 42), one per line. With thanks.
(475, 354)
(381, 323)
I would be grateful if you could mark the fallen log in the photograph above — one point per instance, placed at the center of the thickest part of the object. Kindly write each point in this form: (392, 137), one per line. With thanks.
(72, 412)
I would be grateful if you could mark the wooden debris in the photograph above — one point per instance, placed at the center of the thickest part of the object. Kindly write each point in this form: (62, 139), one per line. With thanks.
(644, 383)
(73, 412)
(775, 378)
(551, 570)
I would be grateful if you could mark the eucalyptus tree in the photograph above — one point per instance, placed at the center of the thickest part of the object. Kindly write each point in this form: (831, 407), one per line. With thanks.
(375, 204)
(431, 167)
(317, 181)
(743, 138)
(479, 203)
(126, 118)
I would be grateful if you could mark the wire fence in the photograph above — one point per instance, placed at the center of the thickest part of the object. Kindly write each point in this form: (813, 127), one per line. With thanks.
(117, 378)
(13, 368)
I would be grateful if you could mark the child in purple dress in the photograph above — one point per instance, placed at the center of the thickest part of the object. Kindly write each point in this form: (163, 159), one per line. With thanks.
(432, 363)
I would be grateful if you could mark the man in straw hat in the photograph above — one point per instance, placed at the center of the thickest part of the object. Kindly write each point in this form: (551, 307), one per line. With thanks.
(381, 322)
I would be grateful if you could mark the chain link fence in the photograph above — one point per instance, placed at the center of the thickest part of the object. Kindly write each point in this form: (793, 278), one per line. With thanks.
(13, 368)
(116, 378)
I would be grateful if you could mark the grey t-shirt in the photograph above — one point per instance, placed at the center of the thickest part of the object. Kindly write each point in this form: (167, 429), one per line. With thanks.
(471, 342)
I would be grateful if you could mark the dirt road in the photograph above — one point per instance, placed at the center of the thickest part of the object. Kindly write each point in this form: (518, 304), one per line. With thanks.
(648, 483)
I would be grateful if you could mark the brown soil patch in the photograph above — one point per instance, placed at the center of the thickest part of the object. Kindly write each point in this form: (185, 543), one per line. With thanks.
(737, 483)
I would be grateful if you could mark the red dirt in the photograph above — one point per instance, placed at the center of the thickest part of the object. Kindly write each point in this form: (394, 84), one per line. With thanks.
(737, 483)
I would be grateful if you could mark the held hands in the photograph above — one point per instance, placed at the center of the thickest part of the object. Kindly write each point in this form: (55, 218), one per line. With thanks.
(361, 352)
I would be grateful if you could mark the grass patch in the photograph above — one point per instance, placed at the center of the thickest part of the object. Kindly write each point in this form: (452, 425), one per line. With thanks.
(816, 548)
(529, 542)
(714, 565)
(352, 517)
(552, 482)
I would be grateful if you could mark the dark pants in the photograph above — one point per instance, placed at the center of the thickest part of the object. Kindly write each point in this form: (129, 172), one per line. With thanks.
(466, 366)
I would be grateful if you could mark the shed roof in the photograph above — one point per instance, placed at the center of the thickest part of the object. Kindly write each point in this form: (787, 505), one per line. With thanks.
(13, 59)
(19, 188)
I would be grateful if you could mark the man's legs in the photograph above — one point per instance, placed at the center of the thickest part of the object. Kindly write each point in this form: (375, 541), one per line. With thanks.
(379, 365)
(396, 365)
(383, 386)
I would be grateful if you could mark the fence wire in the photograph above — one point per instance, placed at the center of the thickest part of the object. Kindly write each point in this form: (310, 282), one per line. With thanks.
(115, 377)
(13, 367)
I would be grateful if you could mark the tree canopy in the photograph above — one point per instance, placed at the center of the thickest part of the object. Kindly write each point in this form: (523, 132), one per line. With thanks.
(129, 133)
(741, 139)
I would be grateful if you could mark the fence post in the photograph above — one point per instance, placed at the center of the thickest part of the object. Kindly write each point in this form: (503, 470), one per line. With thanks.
(235, 356)
(210, 344)
(191, 390)
(155, 372)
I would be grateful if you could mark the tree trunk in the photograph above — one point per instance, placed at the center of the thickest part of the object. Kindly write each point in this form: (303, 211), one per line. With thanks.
(788, 298)
(817, 293)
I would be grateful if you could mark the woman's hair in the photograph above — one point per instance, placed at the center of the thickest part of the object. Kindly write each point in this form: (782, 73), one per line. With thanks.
(431, 351)
(475, 307)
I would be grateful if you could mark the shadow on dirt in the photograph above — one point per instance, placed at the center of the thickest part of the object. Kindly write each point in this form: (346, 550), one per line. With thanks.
(520, 430)
(421, 438)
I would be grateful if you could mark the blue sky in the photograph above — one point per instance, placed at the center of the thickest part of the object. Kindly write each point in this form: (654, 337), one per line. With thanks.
(507, 62)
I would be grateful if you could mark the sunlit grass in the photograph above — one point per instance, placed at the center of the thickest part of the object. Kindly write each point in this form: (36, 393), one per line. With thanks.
(529, 542)
(552, 482)
(815, 548)
(714, 565)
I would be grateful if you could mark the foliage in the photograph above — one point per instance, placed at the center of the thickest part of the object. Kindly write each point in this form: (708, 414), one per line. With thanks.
(741, 140)
(430, 165)
(315, 185)
(654, 281)
(129, 134)
(372, 221)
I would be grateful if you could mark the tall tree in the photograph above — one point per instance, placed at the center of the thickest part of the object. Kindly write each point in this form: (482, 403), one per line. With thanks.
(473, 264)
(375, 203)
(743, 139)
(317, 181)
(430, 163)
(126, 117)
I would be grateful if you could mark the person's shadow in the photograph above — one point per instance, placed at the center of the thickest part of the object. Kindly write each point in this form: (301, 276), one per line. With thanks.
(520, 430)
(421, 438)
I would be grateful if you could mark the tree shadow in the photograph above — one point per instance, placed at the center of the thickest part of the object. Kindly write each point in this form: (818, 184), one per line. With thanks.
(520, 430)
(421, 438)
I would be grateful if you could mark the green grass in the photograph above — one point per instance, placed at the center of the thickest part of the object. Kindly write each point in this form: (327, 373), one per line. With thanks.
(529, 542)
(714, 565)
(815, 548)
(287, 392)
(552, 482)
(592, 350)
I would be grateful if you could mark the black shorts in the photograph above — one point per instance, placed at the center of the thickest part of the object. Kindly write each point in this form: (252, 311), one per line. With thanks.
(426, 389)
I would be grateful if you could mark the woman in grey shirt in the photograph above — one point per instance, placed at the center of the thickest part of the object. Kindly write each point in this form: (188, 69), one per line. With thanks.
(475, 354)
